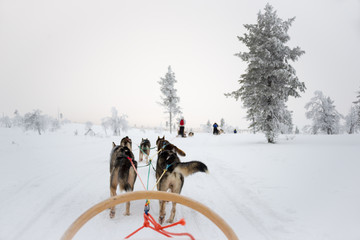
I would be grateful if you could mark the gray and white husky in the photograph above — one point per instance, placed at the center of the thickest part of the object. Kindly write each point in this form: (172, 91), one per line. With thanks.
(144, 149)
(173, 178)
(122, 173)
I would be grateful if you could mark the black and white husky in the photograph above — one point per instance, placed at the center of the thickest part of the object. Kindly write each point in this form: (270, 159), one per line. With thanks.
(175, 171)
(122, 173)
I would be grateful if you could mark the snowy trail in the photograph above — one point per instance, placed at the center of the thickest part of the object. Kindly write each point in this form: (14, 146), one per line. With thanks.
(303, 188)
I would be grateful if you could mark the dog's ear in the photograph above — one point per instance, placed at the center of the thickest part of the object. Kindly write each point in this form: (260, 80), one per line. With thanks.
(114, 145)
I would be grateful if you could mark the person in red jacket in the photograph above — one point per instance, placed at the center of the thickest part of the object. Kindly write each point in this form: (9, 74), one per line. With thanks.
(182, 127)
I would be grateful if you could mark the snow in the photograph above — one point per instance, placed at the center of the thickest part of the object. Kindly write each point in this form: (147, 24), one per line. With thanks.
(303, 187)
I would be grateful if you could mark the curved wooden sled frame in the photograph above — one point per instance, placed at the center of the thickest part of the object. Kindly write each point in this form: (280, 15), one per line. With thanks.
(138, 195)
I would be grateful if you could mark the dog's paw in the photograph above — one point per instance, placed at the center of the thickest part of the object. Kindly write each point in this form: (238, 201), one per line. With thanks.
(112, 214)
(170, 220)
(126, 213)
(161, 219)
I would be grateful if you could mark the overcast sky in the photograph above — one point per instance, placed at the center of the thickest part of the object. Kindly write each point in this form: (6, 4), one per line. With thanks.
(82, 57)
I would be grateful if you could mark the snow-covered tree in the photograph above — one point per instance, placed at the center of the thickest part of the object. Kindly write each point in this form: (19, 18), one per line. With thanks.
(206, 127)
(322, 112)
(88, 129)
(297, 130)
(5, 121)
(222, 123)
(35, 121)
(351, 120)
(208, 124)
(169, 98)
(269, 79)
(286, 125)
(115, 122)
(54, 123)
(17, 119)
(357, 106)
(105, 124)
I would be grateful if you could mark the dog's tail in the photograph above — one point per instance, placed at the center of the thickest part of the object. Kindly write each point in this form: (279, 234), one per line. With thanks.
(188, 168)
(180, 152)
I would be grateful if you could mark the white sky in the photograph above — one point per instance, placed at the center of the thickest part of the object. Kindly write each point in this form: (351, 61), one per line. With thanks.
(84, 57)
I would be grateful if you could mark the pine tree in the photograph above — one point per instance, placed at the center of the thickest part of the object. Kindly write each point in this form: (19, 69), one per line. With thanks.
(321, 110)
(169, 98)
(222, 123)
(357, 106)
(297, 130)
(269, 79)
(351, 120)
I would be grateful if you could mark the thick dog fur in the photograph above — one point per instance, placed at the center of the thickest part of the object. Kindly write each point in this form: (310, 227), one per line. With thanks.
(173, 179)
(163, 144)
(126, 141)
(144, 149)
(121, 173)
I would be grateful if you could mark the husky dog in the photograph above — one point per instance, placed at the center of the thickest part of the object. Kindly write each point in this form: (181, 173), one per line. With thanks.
(163, 144)
(126, 141)
(144, 149)
(170, 173)
(121, 173)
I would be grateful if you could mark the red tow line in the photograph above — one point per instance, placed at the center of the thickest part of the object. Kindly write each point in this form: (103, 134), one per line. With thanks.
(148, 220)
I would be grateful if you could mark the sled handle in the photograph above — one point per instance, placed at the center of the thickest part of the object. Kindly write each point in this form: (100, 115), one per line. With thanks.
(138, 195)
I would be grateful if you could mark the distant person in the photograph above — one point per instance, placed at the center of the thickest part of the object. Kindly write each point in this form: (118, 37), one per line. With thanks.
(182, 127)
(235, 131)
(215, 131)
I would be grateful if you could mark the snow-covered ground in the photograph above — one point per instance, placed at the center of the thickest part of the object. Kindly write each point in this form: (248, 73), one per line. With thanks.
(303, 187)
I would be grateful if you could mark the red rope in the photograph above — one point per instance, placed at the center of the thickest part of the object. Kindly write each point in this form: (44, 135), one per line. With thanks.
(136, 172)
(160, 229)
(157, 227)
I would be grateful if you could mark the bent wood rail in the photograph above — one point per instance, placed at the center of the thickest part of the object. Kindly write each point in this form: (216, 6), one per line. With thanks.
(138, 195)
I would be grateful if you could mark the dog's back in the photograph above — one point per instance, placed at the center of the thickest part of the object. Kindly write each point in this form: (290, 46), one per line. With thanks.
(145, 144)
(163, 144)
(122, 169)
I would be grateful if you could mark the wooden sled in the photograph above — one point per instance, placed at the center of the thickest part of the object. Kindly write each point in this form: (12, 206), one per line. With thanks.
(138, 195)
